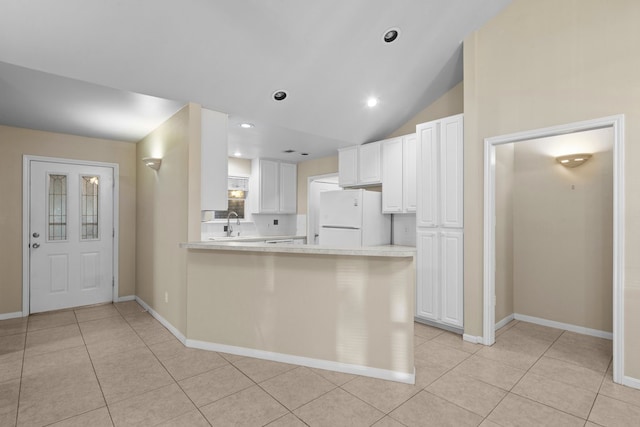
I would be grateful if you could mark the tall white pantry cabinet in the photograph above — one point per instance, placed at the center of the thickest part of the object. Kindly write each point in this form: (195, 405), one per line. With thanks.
(439, 221)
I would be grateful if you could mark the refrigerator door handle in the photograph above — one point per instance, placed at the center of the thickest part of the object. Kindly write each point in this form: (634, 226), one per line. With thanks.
(340, 228)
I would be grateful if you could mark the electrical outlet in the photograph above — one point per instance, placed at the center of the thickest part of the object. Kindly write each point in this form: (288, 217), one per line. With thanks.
(166, 297)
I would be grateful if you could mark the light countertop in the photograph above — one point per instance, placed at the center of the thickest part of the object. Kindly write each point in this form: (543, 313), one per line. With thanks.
(253, 238)
(248, 246)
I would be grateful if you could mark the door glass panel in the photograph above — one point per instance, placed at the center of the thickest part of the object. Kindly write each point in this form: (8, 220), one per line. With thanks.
(57, 207)
(89, 207)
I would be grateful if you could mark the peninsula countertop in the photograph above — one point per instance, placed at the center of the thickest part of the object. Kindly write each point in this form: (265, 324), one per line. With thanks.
(374, 251)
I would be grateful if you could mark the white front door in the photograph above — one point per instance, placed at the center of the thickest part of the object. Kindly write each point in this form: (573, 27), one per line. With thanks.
(71, 235)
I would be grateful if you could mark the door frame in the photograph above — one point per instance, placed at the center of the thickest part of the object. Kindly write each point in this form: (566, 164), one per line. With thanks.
(310, 179)
(617, 124)
(26, 206)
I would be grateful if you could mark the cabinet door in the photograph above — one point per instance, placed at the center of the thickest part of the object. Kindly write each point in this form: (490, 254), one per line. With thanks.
(409, 179)
(451, 278)
(427, 284)
(269, 187)
(348, 166)
(427, 175)
(392, 175)
(451, 173)
(288, 188)
(369, 163)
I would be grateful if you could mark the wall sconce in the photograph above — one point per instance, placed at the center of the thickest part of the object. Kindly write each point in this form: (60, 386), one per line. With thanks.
(152, 162)
(573, 160)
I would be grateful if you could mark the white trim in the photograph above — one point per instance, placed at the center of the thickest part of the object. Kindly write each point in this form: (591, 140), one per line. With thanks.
(631, 382)
(14, 315)
(564, 326)
(26, 185)
(617, 123)
(504, 321)
(346, 368)
(310, 179)
(472, 339)
(162, 320)
(126, 298)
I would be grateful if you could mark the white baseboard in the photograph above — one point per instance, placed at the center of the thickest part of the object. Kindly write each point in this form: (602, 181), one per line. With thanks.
(14, 315)
(504, 321)
(126, 298)
(346, 368)
(565, 326)
(163, 321)
(631, 382)
(472, 339)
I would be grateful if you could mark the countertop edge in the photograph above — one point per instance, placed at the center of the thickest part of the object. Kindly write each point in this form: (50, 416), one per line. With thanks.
(374, 251)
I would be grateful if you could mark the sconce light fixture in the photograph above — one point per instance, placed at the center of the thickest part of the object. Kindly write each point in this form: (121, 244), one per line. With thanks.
(573, 160)
(152, 162)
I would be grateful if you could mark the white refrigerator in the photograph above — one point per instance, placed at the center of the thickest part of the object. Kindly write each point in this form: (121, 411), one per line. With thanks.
(353, 218)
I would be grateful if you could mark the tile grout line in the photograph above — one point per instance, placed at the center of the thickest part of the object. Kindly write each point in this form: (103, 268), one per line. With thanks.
(24, 353)
(165, 368)
(94, 368)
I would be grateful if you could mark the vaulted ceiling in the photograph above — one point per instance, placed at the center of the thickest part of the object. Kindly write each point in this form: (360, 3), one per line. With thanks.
(116, 69)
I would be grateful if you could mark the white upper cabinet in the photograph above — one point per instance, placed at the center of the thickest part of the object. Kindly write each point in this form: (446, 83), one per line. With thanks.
(276, 185)
(288, 188)
(399, 174)
(348, 166)
(369, 157)
(427, 153)
(440, 175)
(409, 177)
(360, 165)
(451, 172)
(392, 200)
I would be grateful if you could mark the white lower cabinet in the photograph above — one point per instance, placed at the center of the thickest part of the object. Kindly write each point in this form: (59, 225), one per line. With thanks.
(439, 292)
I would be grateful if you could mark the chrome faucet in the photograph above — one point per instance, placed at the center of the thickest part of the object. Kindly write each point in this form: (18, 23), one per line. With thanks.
(229, 228)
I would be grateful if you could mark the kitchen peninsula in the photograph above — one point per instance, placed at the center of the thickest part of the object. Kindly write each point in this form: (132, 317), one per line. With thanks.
(344, 309)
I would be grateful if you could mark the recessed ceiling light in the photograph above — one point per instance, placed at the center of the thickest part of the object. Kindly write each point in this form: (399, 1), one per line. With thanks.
(372, 102)
(246, 125)
(304, 154)
(391, 35)
(289, 151)
(237, 154)
(279, 95)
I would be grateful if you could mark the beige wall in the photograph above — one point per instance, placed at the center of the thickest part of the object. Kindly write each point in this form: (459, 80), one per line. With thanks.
(563, 230)
(321, 166)
(543, 63)
(14, 143)
(348, 309)
(168, 213)
(504, 231)
(449, 104)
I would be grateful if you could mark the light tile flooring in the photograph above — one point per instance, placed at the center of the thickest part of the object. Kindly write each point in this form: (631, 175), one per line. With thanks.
(116, 365)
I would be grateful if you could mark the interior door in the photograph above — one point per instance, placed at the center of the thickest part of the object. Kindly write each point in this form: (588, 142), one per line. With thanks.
(71, 235)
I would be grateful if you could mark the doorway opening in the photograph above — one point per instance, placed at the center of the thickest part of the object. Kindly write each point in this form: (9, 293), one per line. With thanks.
(316, 185)
(494, 166)
(70, 233)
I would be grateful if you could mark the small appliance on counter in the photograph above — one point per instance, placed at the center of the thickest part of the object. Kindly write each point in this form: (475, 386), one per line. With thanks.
(352, 218)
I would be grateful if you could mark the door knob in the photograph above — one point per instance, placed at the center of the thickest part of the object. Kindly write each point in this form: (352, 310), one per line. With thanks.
(35, 245)
(36, 235)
